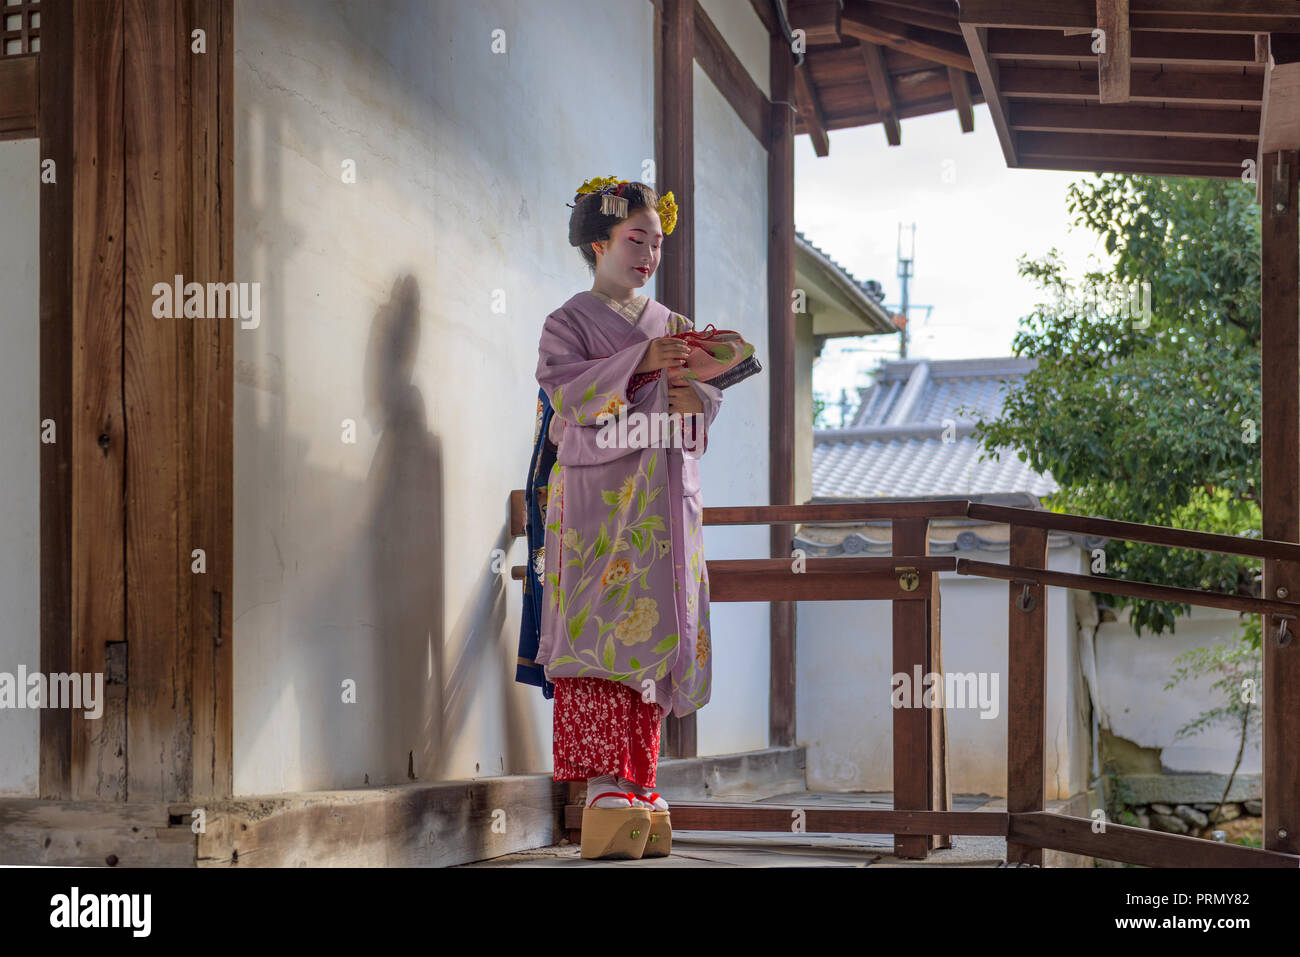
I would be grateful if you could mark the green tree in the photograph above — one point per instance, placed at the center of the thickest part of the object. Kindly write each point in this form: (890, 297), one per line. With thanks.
(1150, 418)
(1155, 417)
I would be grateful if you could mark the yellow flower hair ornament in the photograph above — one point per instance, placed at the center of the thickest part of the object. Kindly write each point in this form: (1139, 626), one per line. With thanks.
(613, 203)
(668, 212)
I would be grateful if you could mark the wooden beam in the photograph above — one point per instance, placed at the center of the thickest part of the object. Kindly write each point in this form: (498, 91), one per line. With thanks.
(57, 387)
(96, 432)
(1145, 120)
(1113, 61)
(1211, 152)
(1198, 49)
(1134, 845)
(810, 111)
(781, 391)
(1209, 88)
(823, 819)
(1218, 16)
(18, 85)
(882, 92)
(944, 23)
(1169, 168)
(676, 149)
(922, 108)
(961, 99)
(858, 21)
(729, 75)
(818, 19)
(947, 9)
(989, 74)
(1280, 489)
(1279, 127)
(1026, 689)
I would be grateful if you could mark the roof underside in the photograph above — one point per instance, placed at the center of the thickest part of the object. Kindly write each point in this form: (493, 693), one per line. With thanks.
(1196, 73)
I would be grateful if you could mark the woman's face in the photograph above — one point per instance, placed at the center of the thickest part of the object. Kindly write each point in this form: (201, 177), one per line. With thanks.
(631, 254)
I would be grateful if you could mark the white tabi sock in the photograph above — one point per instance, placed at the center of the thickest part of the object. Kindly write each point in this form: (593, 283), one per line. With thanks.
(606, 782)
(659, 804)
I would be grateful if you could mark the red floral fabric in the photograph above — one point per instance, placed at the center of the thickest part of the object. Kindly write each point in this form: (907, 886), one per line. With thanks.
(603, 727)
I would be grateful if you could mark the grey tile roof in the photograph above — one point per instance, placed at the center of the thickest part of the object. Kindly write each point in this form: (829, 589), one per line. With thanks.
(907, 441)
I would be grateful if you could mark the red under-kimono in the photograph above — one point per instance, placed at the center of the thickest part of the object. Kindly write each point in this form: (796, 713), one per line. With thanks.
(603, 727)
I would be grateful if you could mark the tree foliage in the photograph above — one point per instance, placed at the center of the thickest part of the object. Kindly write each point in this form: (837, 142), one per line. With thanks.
(1149, 418)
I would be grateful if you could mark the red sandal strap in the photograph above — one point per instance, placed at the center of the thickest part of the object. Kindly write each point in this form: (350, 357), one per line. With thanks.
(621, 794)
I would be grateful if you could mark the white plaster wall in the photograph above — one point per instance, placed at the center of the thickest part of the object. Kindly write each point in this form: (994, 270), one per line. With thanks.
(731, 293)
(844, 676)
(20, 600)
(1132, 673)
(374, 561)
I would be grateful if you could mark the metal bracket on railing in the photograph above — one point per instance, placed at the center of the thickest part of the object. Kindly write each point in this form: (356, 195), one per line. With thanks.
(1025, 601)
(1283, 635)
(910, 579)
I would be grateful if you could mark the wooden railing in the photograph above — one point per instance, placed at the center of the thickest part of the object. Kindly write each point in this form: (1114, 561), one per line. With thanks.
(922, 818)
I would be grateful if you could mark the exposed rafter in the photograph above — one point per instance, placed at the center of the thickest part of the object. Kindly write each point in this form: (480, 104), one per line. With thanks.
(882, 92)
(858, 20)
(957, 80)
(1113, 60)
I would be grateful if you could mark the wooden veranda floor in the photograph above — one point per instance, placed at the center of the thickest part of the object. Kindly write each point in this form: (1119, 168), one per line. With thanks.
(784, 849)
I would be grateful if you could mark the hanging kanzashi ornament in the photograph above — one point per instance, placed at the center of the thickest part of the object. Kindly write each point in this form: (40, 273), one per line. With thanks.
(614, 203)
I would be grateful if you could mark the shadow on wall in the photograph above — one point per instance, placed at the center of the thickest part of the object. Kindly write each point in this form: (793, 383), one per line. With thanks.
(405, 521)
(427, 704)
(436, 692)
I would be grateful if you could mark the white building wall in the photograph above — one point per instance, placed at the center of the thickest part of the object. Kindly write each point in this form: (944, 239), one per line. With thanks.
(845, 669)
(411, 302)
(731, 293)
(20, 469)
(1132, 673)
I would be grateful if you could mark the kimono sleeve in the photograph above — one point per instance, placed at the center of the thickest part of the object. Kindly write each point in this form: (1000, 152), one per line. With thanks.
(710, 397)
(581, 387)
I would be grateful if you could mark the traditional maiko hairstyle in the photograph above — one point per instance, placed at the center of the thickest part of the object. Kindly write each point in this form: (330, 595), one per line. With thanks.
(602, 203)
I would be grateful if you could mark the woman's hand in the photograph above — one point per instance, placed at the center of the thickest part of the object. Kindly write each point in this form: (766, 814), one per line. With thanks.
(665, 352)
(683, 398)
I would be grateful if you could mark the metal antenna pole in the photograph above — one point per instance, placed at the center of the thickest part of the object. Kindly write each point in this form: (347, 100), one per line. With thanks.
(905, 267)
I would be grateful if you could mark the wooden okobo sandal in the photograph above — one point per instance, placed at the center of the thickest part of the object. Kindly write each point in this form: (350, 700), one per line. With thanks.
(660, 841)
(618, 833)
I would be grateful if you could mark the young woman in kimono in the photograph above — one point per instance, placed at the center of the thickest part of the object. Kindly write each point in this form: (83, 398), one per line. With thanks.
(625, 607)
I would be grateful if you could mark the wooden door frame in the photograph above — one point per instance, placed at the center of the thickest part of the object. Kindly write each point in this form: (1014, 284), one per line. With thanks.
(138, 124)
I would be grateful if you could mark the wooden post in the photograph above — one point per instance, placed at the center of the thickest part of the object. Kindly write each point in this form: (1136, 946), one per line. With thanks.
(912, 725)
(1280, 492)
(96, 433)
(1026, 688)
(139, 126)
(676, 165)
(55, 129)
(781, 354)
(940, 785)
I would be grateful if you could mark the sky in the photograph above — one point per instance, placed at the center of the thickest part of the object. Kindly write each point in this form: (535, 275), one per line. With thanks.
(974, 218)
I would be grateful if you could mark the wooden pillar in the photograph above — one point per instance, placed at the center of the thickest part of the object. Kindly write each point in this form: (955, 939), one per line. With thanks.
(912, 725)
(139, 124)
(55, 129)
(781, 355)
(1026, 688)
(676, 165)
(1280, 492)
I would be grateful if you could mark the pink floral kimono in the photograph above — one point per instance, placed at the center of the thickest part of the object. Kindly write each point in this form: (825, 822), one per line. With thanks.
(626, 592)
